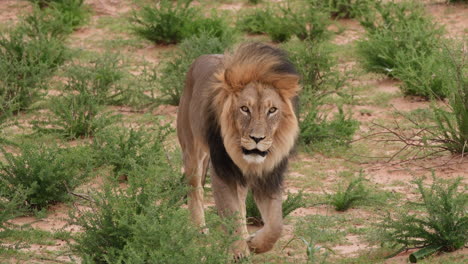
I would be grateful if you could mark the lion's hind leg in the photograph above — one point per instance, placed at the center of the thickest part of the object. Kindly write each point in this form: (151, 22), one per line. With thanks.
(196, 165)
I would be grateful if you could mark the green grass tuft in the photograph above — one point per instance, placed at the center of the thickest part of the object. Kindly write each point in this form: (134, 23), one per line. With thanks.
(356, 192)
(292, 202)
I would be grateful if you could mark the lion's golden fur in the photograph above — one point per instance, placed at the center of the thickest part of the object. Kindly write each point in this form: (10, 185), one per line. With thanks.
(247, 65)
(212, 129)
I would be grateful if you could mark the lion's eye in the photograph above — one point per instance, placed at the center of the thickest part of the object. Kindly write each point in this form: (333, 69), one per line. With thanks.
(245, 109)
(272, 110)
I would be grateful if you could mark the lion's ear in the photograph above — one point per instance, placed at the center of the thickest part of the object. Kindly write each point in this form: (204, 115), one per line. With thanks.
(288, 85)
(231, 81)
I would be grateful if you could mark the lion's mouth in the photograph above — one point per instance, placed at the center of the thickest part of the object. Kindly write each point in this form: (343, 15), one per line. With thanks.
(254, 152)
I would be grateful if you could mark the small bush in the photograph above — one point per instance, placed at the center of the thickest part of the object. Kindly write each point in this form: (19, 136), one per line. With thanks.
(344, 8)
(46, 174)
(395, 31)
(165, 22)
(451, 131)
(100, 78)
(284, 21)
(446, 126)
(422, 76)
(75, 116)
(77, 112)
(169, 23)
(441, 222)
(26, 62)
(174, 69)
(356, 192)
(11, 205)
(310, 23)
(145, 223)
(314, 62)
(254, 2)
(60, 18)
(316, 127)
(255, 21)
(292, 202)
(128, 149)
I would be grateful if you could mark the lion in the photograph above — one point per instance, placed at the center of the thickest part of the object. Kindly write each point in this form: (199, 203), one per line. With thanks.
(237, 113)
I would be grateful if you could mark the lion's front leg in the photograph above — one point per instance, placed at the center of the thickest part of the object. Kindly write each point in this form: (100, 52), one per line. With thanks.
(270, 207)
(230, 201)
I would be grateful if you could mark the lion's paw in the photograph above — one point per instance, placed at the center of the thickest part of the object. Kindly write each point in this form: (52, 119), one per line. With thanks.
(258, 243)
(240, 250)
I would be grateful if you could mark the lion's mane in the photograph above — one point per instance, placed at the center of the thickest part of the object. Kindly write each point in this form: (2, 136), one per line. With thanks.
(252, 62)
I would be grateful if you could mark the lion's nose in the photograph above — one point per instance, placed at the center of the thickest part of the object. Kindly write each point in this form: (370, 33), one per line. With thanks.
(257, 139)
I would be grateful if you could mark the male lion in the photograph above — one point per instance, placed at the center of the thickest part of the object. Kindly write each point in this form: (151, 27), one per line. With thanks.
(237, 113)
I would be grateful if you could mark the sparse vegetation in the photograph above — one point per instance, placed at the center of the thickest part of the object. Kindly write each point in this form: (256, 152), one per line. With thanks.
(445, 126)
(440, 219)
(354, 193)
(11, 205)
(111, 165)
(292, 202)
(144, 222)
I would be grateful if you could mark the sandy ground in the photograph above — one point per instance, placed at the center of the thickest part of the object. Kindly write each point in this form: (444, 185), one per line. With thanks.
(455, 19)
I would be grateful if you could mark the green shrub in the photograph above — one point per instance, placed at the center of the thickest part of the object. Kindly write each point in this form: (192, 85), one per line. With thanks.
(75, 116)
(25, 64)
(356, 192)
(445, 128)
(100, 78)
(11, 205)
(168, 23)
(422, 76)
(397, 31)
(128, 149)
(316, 127)
(451, 130)
(164, 22)
(292, 202)
(255, 21)
(344, 8)
(254, 2)
(46, 174)
(59, 19)
(78, 111)
(309, 23)
(314, 62)
(281, 22)
(174, 69)
(441, 220)
(145, 223)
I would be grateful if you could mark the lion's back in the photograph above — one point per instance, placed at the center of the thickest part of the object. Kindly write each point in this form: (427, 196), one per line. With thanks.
(195, 99)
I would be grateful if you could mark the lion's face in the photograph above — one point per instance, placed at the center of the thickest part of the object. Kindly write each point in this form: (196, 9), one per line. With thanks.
(259, 111)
